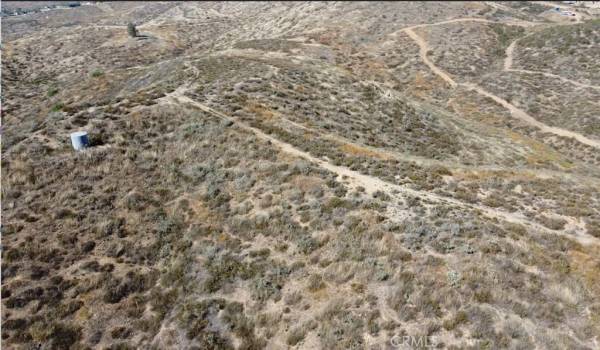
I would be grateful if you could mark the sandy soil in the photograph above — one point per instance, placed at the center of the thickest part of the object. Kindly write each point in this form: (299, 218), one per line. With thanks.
(516, 112)
(508, 61)
(370, 183)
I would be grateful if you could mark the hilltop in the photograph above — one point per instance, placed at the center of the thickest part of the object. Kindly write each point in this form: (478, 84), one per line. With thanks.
(301, 175)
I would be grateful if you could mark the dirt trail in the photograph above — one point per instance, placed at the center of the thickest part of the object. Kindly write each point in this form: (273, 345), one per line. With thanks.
(423, 48)
(508, 62)
(520, 114)
(550, 75)
(429, 162)
(471, 19)
(370, 183)
(516, 112)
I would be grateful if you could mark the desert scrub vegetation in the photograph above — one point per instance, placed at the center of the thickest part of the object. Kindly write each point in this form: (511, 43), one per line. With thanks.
(391, 170)
(52, 91)
(138, 250)
(527, 7)
(467, 49)
(157, 235)
(57, 107)
(562, 50)
(505, 35)
(268, 45)
(179, 229)
(391, 124)
(552, 223)
(544, 98)
(97, 73)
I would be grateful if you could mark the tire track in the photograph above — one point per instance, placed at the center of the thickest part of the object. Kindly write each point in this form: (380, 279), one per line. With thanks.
(520, 114)
(515, 112)
(508, 62)
(370, 183)
(423, 49)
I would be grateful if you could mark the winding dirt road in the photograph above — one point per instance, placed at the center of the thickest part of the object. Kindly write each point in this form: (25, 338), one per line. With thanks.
(454, 166)
(508, 62)
(371, 184)
(515, 112)
(520, 114)
(423, 49)
(470, 19)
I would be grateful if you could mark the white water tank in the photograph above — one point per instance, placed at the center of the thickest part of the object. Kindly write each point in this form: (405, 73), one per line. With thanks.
(80, 140)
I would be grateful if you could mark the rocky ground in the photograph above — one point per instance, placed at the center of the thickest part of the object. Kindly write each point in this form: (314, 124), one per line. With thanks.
(301, 175)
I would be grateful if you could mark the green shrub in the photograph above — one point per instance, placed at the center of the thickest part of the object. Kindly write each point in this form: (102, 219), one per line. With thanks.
(225, 269)
(307, 244)
(57, 107)
(52, 91)
(336, 202)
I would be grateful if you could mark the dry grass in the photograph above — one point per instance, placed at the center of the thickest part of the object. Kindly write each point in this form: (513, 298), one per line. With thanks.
(260, 111)
(180, 229)
(362, 151)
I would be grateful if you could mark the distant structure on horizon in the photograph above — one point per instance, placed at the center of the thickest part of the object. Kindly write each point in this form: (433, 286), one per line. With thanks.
(590, 4)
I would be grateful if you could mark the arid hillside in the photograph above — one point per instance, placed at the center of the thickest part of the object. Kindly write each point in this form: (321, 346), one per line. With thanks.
(301, 175)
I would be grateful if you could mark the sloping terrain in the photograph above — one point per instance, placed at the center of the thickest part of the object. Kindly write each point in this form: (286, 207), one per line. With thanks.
(573, 49)
(300, 175)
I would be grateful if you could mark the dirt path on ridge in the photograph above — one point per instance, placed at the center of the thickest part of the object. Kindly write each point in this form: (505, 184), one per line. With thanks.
(508, 62)
(370, 183)
(515, 112)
